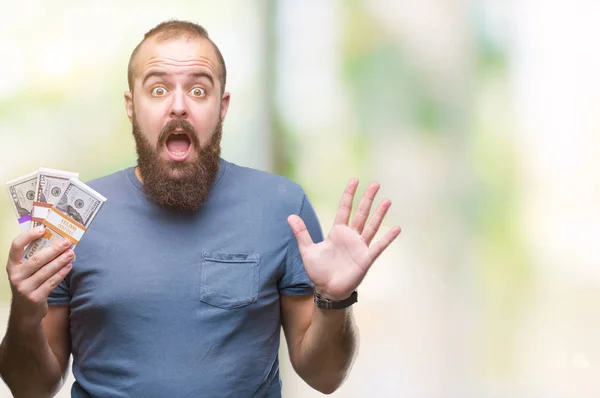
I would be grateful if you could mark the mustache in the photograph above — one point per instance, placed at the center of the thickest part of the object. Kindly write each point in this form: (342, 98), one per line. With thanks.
(178, 124)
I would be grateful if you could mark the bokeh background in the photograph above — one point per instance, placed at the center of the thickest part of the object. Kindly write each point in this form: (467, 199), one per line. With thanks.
(478, 117)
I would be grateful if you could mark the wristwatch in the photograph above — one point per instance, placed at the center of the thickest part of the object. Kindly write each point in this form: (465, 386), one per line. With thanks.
(335, 305)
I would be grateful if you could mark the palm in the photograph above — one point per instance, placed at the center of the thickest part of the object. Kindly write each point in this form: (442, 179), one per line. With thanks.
(338, 264)
(342, 246)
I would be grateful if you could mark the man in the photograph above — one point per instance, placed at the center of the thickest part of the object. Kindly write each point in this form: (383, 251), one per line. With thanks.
(188, 273)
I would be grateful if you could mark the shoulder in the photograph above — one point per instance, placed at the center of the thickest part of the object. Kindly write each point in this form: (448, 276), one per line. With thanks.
(259, 178)
(268, 187)
(111, 183)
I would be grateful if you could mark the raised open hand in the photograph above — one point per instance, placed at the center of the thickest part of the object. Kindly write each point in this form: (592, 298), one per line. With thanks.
(339, 263)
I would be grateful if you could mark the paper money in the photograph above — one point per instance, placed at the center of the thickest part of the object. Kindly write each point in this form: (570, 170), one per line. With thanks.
(70, 217)
(50, 186)
(22, 193)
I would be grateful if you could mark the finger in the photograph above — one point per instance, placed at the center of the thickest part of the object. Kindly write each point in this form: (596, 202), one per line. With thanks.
(379, 246)
(17, 248)
(42, 292)
(300, 232)
(375, 222)
(343, 213)
(364, 207)
(43, 257)
(47, 271)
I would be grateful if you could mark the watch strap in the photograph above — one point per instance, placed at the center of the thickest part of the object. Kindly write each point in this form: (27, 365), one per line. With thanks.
(335, 305)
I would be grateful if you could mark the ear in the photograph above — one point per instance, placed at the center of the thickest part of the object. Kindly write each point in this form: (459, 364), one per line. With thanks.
(224, 104)
(129, 104)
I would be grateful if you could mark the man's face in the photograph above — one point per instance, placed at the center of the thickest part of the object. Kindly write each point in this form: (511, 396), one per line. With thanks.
(176, 110)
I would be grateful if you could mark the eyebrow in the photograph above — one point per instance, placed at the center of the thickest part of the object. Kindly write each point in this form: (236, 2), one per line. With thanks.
(196, 75)
(206, 75)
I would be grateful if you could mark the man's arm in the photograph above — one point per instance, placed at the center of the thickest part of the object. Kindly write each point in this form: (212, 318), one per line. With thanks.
(34, 353)
(322, 344)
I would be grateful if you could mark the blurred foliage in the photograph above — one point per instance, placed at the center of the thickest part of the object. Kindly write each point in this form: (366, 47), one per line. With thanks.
(388, 87)
(502, 276)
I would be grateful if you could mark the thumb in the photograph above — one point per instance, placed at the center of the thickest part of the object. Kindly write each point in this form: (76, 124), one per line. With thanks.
(300, 232)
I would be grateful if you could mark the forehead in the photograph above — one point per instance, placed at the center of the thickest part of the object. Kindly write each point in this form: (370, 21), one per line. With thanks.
(176, 54)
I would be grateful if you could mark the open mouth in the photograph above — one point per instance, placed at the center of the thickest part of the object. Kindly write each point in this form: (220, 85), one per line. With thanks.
(178, 145)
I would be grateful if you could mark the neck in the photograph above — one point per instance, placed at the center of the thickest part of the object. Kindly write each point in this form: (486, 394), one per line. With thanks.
(138, 174)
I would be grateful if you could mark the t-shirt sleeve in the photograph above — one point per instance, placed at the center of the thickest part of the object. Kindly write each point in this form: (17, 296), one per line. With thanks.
(60, 294)
(295, 281)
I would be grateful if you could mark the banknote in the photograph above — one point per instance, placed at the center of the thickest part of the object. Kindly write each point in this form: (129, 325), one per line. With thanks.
(50, 186)
(22, 194)
(70, 216)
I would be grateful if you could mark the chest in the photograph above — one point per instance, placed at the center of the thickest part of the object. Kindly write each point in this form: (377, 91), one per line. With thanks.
(131, 264)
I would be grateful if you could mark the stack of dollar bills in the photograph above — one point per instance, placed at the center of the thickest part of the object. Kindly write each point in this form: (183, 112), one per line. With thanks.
(57, 200)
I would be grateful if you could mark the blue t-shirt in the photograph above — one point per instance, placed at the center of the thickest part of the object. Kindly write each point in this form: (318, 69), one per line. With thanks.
(171, 304)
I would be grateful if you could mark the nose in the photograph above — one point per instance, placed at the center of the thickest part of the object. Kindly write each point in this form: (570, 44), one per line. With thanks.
(178, 105)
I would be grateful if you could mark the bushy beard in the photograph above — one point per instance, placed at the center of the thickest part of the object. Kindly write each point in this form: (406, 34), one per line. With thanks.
(178, 185)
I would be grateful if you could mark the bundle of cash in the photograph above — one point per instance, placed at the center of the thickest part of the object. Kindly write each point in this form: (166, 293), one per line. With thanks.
(22, 192)
(69, 217)
(50, 186)
(34, 193)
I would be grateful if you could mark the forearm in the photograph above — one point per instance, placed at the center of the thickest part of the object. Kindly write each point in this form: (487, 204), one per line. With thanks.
(27, 364)
(328, 349)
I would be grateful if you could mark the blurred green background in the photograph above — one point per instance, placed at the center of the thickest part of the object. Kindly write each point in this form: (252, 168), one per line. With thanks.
(479, 118)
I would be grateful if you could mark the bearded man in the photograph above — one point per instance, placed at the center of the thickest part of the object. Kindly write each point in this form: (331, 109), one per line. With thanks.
(194, 265)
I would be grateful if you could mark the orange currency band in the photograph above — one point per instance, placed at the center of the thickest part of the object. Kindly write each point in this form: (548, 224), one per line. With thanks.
(61, 232)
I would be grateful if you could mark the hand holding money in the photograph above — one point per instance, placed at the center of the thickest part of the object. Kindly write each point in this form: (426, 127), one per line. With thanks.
(59, 201)
(32, 280)
(69, 217)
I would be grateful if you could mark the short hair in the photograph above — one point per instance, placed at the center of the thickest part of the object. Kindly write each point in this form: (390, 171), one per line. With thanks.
(173, 29)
